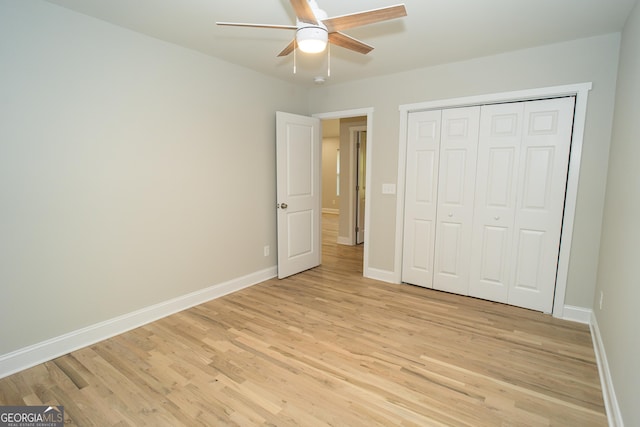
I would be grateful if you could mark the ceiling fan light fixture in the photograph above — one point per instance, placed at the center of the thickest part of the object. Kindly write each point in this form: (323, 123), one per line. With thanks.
(312, 39)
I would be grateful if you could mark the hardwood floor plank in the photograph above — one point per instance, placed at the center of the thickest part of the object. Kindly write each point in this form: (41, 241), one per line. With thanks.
(329, 347)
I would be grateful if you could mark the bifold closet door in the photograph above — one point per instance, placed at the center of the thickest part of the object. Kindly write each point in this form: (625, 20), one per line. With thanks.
(495, 200)
(456, 187)
(423, 140)
(523, 156)
(542, 183)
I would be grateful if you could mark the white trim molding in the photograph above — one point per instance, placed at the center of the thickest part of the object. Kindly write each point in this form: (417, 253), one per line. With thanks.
(577, 314)
(342, 240)
(350, 196)
(44, 351)
(614, 416)
(381, 275)
(581, 92)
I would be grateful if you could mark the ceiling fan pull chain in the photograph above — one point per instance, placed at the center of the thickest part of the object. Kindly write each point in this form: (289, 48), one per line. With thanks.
(329, 60)
(294, 57)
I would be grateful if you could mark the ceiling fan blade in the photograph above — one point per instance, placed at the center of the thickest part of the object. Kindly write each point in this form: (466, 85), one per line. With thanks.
(348, 42)
(304, 12)
(358, 19)
(242, 24)
(287, 50)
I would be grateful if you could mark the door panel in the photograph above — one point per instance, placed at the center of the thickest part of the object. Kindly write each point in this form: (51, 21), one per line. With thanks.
(538, 175)
(300, 243)
(426, 166)
(529, 251)
(498, 181)
(456, 188)
(453, 171)
(541, 183)
(449, 248)
(420, 197)
(495, 242)
(494, 211)
(422, 250)
(298, 154)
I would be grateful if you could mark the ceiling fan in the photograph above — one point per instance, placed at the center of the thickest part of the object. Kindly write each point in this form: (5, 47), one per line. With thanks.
(314, 29)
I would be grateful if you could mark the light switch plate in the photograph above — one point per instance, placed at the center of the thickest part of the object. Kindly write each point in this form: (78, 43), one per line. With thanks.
(388, 189)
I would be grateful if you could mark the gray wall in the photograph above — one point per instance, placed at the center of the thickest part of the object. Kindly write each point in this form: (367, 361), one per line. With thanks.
(330, 198)
(619, 267)
(129, 176)
(132, 171)
(586, 60)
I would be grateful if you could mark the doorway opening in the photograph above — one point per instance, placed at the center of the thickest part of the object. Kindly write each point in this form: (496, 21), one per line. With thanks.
(344, 186)
(347, 141)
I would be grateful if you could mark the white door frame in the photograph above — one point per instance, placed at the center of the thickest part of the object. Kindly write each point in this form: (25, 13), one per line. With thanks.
(353, 180)
(368, 112)
(581, 92)
(348, 199)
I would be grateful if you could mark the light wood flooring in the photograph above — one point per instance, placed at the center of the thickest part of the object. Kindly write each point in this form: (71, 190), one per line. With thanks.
(329, 347)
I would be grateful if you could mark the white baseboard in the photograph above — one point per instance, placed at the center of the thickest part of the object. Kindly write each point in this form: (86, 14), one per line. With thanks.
(382, 275)
(577, 314)
(344, 241)
(614, 416)
(331, 211)
(41, 352)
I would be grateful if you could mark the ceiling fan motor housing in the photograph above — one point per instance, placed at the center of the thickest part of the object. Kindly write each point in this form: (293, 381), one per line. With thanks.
(312, 38)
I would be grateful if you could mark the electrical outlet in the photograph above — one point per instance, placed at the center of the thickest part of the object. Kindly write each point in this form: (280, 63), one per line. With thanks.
(601, 299)
(266, 250)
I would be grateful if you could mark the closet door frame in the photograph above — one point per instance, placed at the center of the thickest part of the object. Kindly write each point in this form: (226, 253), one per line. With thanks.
(581, 92)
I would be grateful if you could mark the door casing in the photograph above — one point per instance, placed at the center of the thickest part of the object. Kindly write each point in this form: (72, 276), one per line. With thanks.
(360, 196)
(368, 113)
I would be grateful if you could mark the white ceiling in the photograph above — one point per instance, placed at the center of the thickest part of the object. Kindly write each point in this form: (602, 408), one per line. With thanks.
(434, 32)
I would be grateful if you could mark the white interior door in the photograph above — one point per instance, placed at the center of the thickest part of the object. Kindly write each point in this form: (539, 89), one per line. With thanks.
(298, 156)
(456, 188)
(423, 142)
(541, 185)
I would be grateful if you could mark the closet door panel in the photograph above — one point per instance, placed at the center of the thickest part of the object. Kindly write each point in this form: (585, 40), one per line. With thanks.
(495, 201)
(421, 197)
(541, 184)
(495, 244)
(448, 250)
(456, 188)
(530, 245)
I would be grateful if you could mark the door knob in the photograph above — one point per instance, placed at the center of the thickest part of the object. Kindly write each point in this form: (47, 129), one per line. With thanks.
(283, 206)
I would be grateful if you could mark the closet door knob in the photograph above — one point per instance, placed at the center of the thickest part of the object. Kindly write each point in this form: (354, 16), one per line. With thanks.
(450, 214)
(496, 218)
